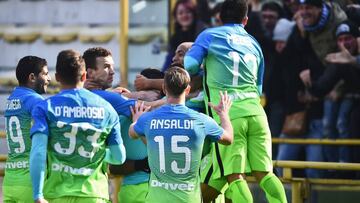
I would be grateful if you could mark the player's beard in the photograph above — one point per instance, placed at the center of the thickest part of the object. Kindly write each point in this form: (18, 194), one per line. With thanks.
(40, 87)
(106, 85)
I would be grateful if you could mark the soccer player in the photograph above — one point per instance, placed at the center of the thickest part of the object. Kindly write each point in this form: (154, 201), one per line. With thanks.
(78, 131)
(175, 135)
(100, 71)
(233, 62)
(33, 77)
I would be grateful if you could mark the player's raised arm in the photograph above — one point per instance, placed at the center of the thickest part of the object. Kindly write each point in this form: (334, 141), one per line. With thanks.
(222, 109)
(136, 112)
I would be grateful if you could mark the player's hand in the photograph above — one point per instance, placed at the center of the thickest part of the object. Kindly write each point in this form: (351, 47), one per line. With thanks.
(141, 83)
(90, 85)
(138, 109)
(305, 77)
(121, 90)
(41, 200)
(224, 106)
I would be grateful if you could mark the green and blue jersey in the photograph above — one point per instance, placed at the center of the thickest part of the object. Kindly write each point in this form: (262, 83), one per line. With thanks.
(80, 125)
(175, 135)
(18, 123)
(233, 62)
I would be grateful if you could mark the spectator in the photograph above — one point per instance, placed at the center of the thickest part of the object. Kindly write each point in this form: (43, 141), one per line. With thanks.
(305, 54)
(290, 7)
(187, 27)
(345, 120)
(271, 12)
(275, 98)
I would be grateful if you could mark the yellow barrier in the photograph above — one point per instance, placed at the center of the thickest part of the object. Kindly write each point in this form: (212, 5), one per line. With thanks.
(316, 141)
(317, 165)
(300, 186)
(3, 157)
(2, 134)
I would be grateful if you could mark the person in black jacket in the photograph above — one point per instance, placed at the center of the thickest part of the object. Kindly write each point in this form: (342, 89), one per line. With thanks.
(343, 67)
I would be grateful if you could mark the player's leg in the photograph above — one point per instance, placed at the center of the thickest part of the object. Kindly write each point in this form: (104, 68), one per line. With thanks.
(133, 193)
(72, 199)
(17, 194)
(238, 190)
(231, 162)
(259, 155)
(209, 193)
(210, 188)
(7, 195)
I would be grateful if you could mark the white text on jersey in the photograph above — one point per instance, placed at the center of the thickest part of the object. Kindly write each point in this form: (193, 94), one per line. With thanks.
(173, 186)
(80, 112)
(171, 124)
(17, 164)
(69, 169)
(13, 104)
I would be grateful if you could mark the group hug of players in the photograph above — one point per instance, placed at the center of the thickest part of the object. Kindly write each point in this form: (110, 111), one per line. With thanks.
(60, 147)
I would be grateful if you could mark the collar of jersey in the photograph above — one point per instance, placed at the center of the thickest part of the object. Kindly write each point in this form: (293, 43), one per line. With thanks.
(25, 88)
(234, 24)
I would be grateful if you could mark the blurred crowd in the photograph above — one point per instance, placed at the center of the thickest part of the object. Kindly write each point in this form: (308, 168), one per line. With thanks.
(312, 64)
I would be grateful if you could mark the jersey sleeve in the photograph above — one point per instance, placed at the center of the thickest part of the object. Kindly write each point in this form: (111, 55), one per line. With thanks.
(212, 130)
(260, 75)
(122, 104)
(139, 126)
(40, 122)
(114, 137)
(194, 57)
(33, 101)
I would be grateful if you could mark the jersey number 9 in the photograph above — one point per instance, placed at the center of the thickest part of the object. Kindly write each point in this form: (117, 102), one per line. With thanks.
(15, 137)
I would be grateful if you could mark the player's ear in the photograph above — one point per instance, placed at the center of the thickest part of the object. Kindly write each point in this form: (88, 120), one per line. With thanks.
(245, 20)
(83, 76)
(90, 72)
(163, 88)
(187, 90)
(57, 77)
(32, 78)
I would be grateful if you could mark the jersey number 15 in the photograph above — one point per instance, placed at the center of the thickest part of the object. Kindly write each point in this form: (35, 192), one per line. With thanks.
(175, 139)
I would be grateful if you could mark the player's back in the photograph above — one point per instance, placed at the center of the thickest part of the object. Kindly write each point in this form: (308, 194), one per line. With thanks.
(18, 124)
(79, 124)
(175, 136)
(234, 63)
(233, 59)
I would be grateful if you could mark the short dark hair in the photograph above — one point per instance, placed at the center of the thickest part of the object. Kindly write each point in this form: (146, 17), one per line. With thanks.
(28, 65)
(176, 80)
(152, 73)
(69, 66)
(273, 6)
(91, 54)
(233, 11)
